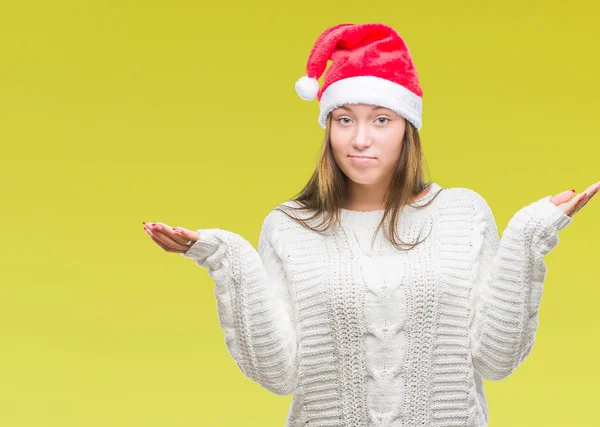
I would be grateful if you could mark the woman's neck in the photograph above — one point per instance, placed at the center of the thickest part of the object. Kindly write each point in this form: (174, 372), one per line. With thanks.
(368, 200)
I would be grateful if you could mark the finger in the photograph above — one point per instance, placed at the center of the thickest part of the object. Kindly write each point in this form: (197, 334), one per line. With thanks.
(158, 242)
(586, 199)
(169, 236)
(592, 188)
(563, 197)
(163, 233)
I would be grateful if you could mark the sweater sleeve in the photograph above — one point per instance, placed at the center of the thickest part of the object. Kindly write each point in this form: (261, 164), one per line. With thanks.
(508, 280)
(254, 304)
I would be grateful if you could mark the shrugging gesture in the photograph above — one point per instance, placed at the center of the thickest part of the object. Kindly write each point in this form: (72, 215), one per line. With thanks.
(509, 276)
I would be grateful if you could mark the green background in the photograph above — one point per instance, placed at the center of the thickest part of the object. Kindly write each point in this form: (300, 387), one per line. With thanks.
(118, 112)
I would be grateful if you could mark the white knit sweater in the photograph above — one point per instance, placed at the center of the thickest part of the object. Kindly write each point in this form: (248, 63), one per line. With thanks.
(372, 336)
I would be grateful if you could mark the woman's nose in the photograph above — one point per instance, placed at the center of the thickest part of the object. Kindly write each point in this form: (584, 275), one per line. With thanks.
(361, 140)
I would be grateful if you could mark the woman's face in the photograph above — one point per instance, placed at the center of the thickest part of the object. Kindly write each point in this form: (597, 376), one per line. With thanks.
(369, 131)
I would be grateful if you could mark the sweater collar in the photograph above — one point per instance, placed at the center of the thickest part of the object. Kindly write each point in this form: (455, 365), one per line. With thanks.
(372, 218)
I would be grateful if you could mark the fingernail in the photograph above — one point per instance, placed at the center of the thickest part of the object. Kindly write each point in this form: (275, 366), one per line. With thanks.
(573, 191)
(153, 225)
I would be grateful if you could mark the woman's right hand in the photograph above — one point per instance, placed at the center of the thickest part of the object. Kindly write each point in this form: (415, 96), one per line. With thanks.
(169, 238)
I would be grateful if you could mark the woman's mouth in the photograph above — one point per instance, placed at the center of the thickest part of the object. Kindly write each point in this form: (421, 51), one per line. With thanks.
(361, 160)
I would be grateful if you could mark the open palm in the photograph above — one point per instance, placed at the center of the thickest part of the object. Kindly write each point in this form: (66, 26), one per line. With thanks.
(571, 205)
(171, 239)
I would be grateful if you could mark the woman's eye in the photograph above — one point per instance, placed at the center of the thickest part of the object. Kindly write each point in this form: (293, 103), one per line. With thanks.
(341, 120)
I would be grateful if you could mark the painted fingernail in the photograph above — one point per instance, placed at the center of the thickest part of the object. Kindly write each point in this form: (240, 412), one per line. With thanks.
(573, 191)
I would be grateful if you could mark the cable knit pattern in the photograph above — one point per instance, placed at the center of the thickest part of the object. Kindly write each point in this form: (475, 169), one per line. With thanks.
(365, 335)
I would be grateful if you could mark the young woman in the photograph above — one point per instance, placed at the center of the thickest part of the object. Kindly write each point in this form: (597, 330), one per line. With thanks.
(375, 298)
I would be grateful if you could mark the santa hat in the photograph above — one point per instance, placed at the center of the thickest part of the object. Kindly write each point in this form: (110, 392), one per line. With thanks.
(371, 64)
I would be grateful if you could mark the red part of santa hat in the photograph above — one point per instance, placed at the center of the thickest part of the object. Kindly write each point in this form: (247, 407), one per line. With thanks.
(371, 64)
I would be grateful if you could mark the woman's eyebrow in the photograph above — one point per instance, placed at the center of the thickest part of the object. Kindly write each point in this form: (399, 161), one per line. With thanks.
(375, 108)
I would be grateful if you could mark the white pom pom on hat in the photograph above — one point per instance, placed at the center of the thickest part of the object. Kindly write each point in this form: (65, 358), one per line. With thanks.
(307, 88)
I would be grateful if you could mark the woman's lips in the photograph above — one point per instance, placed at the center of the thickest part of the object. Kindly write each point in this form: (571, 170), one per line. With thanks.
(361, 160)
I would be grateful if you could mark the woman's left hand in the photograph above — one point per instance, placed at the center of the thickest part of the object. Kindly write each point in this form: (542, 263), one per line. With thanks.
(571, 205)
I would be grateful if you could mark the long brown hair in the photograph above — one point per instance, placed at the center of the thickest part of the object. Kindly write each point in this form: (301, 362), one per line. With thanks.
(325, 192)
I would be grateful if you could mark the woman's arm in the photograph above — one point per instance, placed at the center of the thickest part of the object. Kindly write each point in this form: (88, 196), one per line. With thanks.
(508, 280)
(254, 304)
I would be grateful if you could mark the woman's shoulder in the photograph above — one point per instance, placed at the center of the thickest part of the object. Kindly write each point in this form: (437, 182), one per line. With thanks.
(279, 215)
(463, 196)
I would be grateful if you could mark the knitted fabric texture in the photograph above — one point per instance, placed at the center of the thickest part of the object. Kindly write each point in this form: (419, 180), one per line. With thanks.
(366, 335)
